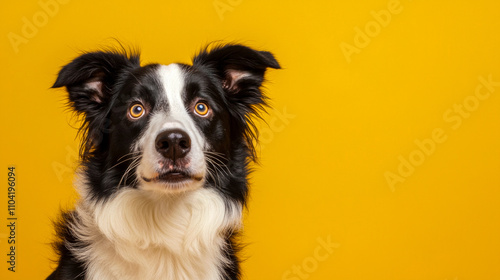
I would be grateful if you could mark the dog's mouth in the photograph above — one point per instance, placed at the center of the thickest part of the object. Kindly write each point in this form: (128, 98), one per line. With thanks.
(172, 177)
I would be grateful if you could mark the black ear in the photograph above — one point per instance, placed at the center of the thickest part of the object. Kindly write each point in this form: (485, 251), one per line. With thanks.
(239, 68)
(90, 78)
(240, 72)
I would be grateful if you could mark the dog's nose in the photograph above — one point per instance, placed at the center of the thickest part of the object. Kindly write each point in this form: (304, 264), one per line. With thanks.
(173, 144)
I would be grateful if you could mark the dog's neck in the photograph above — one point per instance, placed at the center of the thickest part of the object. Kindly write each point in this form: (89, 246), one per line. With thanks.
(136, 234)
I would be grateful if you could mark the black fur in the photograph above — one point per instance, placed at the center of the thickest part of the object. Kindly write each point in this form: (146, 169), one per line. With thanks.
(101, 86)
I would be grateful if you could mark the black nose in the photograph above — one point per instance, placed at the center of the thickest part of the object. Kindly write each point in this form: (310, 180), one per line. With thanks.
(173, 144)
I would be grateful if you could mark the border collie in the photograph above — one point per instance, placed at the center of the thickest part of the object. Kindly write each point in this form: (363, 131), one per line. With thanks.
(164, 164)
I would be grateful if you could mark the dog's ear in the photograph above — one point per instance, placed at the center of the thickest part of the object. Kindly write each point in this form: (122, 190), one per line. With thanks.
(239, 68)
(89, 79)
(240, 71)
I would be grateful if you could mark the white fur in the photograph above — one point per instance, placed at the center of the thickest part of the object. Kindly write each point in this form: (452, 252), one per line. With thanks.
(142, 234)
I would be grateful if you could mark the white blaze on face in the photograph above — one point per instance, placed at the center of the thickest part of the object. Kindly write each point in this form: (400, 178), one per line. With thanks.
(172, 116)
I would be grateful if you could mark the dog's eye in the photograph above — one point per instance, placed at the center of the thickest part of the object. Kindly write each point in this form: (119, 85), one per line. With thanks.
(136, 111)
(201, 109)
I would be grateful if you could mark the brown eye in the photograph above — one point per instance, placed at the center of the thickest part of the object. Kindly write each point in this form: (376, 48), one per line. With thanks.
(136, 111)
(201, 108)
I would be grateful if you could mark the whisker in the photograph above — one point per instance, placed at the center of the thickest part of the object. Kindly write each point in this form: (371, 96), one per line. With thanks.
(221, 155)
(219, 168)
(227, 171)
(209, 171)
(126, 159)
(213, 173)
(131, 166)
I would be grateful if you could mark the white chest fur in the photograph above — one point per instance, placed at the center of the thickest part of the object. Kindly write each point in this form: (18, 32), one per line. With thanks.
(141, 235)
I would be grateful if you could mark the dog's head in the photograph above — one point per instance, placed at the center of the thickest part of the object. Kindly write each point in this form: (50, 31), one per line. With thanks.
(167, 128)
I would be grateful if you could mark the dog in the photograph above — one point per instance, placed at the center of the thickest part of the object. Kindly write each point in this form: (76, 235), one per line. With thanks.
(165, 158)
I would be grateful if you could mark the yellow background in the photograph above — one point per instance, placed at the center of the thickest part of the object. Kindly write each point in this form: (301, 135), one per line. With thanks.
(336, 128)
